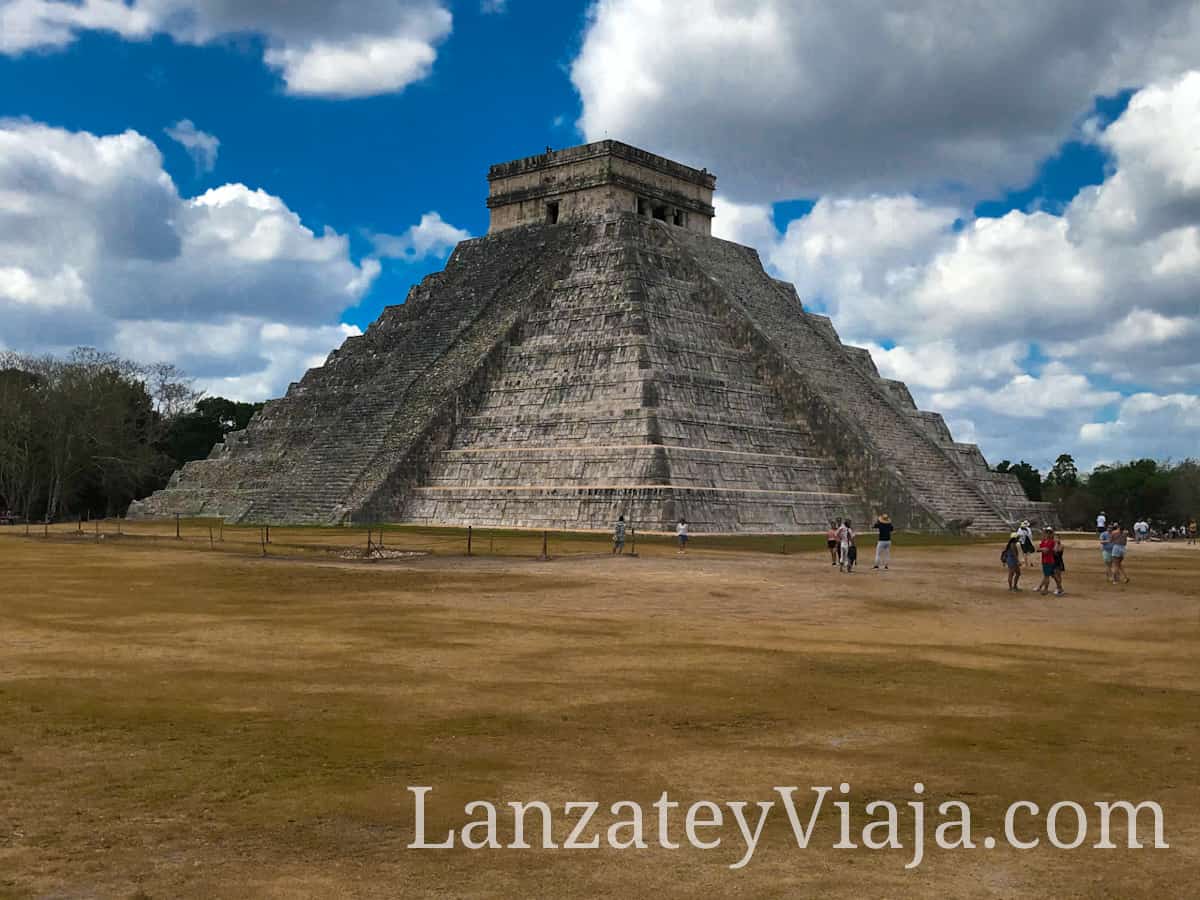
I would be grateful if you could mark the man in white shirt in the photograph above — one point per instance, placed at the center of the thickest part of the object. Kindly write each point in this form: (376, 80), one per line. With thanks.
(1101, 521)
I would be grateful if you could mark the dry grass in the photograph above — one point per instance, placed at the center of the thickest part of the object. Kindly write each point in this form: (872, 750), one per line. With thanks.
(179, 723)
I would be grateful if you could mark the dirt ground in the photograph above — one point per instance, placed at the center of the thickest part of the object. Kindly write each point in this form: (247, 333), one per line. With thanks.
(176, 723)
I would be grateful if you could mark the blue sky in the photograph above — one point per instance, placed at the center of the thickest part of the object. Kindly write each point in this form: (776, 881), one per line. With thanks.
(1006, 217)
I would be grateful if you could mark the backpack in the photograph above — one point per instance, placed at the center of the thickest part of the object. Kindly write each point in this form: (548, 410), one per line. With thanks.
(1004, 557)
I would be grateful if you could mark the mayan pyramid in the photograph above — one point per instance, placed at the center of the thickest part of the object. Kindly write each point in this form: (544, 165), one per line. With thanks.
(597, 353)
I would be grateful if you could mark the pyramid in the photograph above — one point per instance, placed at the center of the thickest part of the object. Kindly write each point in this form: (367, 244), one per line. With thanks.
(598, 353)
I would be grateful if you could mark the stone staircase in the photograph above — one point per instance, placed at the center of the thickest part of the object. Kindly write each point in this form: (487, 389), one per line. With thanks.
(557, 376)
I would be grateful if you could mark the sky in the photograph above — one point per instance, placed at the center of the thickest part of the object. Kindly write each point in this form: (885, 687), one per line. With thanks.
(1000, 201)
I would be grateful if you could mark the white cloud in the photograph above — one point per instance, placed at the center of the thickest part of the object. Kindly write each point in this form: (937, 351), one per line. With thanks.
(201, 146)
(331, 48)
(801, 98)
(97, 247)
(430, 237)
(1023, 325)
(1147, 425)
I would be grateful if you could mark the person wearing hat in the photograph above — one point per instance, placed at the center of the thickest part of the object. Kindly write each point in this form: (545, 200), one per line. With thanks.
(1051, 549)
(883, 547)
(1025, 533)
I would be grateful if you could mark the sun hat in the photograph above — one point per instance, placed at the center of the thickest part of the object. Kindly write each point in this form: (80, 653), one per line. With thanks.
(1048, 528)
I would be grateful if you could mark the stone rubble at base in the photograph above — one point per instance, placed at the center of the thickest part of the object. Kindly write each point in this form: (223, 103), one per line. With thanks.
(598, 354)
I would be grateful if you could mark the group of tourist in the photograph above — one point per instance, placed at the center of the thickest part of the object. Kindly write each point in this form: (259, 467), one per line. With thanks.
(841, 542)
(1017, 552)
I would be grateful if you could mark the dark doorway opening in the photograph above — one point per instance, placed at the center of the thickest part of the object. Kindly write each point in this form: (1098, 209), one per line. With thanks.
(679, 218)
(552, 212)
(642, 207)
(660, 213)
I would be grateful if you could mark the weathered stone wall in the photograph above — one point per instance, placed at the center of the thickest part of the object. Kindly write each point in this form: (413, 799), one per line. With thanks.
(557, 376)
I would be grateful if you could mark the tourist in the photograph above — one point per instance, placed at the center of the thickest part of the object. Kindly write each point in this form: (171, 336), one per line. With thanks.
(1106, 546)
(1120, 540)
(851, 556)
(681, 531)
(883, 548)
(1052, 562)
(1011, 557)
(831, 542)
(1141, 529)
(845, 537)
(619, 536)
(1025, 533)
(1101, 521)
(1192, 528)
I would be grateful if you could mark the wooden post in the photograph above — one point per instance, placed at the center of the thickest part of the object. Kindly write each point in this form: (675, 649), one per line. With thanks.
(262, 536)
(468, 540)
(177, 537)
(632, 541)
(268, 534)
(368, 543)
(545, 541)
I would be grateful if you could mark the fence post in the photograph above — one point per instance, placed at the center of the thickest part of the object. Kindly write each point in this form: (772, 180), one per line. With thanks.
(468, 540)
(268, 533)
(632, 541)
(545, 540)
(177, 537)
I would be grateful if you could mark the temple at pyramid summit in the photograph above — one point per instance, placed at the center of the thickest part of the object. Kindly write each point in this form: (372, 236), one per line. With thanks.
(598, 353)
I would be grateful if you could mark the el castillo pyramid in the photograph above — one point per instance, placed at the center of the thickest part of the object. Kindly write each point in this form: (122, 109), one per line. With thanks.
(597, 353)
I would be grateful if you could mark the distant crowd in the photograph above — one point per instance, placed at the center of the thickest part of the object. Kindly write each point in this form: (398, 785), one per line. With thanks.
(1017, 555)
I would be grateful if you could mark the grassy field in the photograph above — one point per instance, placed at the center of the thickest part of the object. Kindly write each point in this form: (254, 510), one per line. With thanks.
(177, 721)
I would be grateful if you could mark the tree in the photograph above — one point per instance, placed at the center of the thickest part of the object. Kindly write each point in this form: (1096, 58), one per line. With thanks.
(1063, 474)
(1030, 478)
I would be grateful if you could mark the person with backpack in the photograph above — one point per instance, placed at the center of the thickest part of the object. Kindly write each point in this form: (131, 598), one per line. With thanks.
(619, 536)
(883, 548)
(1106, 548)
(1025, 533)
(1010, 556)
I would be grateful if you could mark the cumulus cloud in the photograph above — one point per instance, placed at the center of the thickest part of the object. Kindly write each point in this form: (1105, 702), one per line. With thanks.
(329, 48)
(1026, 327)
(97, 247)
(428, 238)
(853, 97)
(1147, 425)
(201, 146)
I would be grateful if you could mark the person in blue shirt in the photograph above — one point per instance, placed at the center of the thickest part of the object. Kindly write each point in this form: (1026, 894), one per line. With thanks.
(1106, 546)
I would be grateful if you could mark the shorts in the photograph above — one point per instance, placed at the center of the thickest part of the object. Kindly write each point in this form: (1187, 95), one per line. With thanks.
(831, 544)
(1048, 569)
(683, 539)
(1118, 552)
(1014, 562)
(1107, 556)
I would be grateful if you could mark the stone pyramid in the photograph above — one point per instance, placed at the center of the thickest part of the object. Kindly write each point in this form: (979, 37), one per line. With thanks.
(597, 354)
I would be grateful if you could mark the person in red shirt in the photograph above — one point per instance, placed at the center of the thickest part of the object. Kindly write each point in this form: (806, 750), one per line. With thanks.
(1051, 550)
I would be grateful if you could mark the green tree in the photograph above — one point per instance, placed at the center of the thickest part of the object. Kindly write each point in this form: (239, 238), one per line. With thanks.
(1063, 474)
(1030, 478)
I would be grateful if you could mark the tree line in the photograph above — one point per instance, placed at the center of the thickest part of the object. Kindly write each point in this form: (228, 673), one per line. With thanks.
(1164, 494)
(87, 434)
